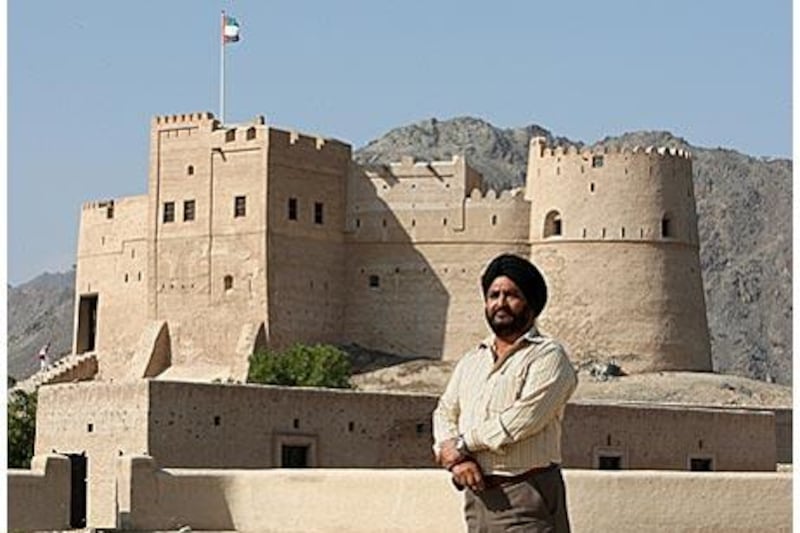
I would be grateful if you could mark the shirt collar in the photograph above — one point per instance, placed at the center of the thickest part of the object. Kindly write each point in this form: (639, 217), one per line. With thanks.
(532, 335)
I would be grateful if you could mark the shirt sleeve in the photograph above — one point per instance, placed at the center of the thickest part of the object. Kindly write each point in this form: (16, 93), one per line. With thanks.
(549, 383)
(445, 416)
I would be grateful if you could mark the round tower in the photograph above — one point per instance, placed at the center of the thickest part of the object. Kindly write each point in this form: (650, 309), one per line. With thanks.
(615, 233)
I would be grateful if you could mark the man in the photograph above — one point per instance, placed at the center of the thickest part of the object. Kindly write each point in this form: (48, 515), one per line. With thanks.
(497, 426)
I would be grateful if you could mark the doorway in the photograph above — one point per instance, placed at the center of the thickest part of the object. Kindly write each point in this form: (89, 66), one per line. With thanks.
(87, 324)
(77, 507)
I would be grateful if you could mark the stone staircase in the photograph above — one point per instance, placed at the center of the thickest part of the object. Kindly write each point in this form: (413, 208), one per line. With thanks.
(73, 367)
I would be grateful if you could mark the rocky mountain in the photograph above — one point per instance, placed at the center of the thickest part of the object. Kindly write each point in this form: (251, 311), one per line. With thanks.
(39, 311)
(744, 218)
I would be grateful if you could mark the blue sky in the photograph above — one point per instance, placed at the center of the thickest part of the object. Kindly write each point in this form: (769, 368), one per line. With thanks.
(86, 76)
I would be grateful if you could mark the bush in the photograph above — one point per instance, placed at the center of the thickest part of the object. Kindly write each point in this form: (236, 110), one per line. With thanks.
(21, 428)
(321, 365)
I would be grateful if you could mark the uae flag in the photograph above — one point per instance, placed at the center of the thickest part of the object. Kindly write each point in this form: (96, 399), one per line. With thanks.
(230, 29)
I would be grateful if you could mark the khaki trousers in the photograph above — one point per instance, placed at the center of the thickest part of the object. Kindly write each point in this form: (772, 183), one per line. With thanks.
(537, 504)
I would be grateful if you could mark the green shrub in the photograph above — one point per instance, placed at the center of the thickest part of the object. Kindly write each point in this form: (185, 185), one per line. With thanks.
(21, 428)
(321, 365)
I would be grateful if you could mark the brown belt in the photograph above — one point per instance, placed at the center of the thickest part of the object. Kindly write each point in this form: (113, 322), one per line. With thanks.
(492, 480)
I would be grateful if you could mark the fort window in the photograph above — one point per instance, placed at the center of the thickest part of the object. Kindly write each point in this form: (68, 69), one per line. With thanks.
(358, 222)
(169, 212)
(609, 462)
(444, 222)
(292, 208)
(591, 187)
(374, 280)
(188, 210)
(230, 135)
(296, 423)
(110, 211)
(583, 233)
(597, 161)
(622, 232)
(494, 220)
(318, 212)
(351, 426)
(666, 227)
(190, 170)
(552, 224)
(603, 233)
(294, 456)
(227, 282)
(383, 222)
(217, 420)
(139, 276)
(251, 133)
(126, 277)
(89, 428)
(133, 253)
(239, 206)
(295, 451)
(701, 464)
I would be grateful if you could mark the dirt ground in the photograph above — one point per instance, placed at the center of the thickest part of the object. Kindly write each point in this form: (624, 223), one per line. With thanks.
(694, 388)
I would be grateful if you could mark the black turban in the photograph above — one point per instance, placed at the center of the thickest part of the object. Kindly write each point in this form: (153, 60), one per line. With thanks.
(527, 277)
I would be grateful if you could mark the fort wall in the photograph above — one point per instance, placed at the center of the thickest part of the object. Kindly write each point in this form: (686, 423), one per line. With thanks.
(425, 500)
(419, 235)
(616, 235)
(207, 222)
(39, 498)
(111, 269)
(675, 435)
(307, 180)
(102, 420)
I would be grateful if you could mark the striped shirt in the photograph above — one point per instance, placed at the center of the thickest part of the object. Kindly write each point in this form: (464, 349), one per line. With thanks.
(509, 411)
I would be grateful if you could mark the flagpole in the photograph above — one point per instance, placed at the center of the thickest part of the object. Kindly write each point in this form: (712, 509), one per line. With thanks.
(222, 70)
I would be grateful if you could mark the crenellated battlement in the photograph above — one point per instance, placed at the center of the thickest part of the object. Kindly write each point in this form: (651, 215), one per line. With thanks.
(98, 204)
(183, 118)
(409, 166)
(294, 140)
(540, 148)
(476, 196)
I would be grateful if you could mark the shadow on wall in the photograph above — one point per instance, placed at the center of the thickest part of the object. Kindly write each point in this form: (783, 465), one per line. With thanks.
(396, 300)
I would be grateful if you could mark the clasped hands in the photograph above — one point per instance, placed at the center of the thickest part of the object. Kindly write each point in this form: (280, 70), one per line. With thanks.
(466, 471)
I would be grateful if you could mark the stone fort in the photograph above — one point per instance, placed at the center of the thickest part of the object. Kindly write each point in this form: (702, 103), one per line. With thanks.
(251, 237)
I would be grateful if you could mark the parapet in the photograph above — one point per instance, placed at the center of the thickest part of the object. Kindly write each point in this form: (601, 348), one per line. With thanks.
(516, 194)
(296, 139)
(540, 148)
(98, 204)
(184, 118)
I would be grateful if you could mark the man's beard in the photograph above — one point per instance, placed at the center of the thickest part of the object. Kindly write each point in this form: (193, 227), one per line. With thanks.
(518, 325)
